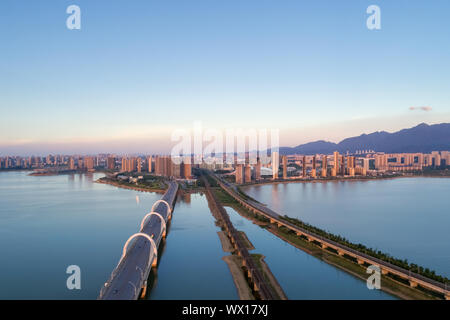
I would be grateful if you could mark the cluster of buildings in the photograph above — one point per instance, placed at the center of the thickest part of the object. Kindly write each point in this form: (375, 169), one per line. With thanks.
(336, 164)
(159, 165)
(278, 167)
(88, 163)
(411, 161)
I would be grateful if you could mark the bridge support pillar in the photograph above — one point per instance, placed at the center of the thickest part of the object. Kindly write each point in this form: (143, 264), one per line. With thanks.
(447, 296)
(298, 233)
(384, 271)
(279, 225)
(255, 286)
(272, 221)
(360, 261)
(341, 253)
(412, 284)
(323, 245)
(155, 262)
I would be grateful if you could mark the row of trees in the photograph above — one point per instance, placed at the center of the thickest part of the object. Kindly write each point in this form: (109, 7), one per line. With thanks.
(403, 263)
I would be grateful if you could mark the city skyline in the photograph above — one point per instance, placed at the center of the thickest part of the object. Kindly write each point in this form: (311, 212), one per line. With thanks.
(134, 74)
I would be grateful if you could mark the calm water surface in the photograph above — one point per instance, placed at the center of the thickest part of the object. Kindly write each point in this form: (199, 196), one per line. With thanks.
(192, 265)
(50, 222)
(407, 217)
(301, 275)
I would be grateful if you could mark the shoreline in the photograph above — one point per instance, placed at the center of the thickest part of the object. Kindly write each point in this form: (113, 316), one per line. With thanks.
(234, 262)
(119, 185)
(324, 180)
(338, 179)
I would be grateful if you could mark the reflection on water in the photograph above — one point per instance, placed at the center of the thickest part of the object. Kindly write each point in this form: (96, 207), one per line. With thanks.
(186, 197)
(406, 217)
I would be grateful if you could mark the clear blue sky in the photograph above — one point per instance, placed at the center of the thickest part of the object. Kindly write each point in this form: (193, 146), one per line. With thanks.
(139, 69)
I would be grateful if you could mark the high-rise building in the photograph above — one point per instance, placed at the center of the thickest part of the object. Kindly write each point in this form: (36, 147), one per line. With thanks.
(80, 163)
(304, 167)
(111, 163)
(165, 167)
(275, 164)
(324, 166)
(133, 164)
(71, 164)
(89, 163)
(335, 169)
(186, 171)
(139, 165)
(284, 161)
(158, 165)
(258, 169)
(247, 173)
(314, 170)
(148, 164)
(381, 162)
(238, 173)
(169, 167)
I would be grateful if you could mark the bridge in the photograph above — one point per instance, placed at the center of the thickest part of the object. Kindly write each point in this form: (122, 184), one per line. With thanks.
(128, 281)
(412, 278)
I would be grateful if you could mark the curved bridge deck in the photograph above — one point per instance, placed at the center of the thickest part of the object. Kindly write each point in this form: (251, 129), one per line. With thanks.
(140, 253)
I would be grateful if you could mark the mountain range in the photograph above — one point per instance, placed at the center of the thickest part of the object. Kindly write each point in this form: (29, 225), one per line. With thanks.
(421, 138)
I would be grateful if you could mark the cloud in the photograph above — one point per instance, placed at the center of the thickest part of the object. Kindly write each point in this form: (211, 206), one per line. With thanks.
(425, 108)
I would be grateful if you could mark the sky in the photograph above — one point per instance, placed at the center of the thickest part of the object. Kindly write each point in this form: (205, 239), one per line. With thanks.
(138, 70)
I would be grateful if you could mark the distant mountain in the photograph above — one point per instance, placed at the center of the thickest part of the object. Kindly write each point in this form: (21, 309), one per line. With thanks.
(422, 138)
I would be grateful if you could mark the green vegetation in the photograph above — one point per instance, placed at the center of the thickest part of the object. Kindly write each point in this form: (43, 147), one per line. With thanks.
(430, 172)
(228, 200)
(244, 195)
(148, 182)
(389, 283)
(431, 274)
